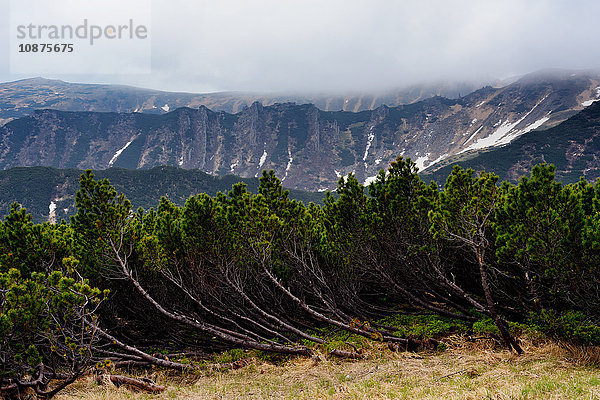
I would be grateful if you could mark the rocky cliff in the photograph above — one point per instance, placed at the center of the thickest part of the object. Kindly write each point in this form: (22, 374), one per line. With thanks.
(307, 147)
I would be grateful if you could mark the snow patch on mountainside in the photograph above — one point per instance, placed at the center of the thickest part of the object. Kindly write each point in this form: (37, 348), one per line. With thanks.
(589, 102)
(263, 158)
(52, 212)
(495, 138)
(513, 135)
(421, 161)
(118, 153)
(505, 132)
(166, 107)
(289, 164)
(370, 180)
(535, 125)
(437, 160)
(474, 133)
(369, 141)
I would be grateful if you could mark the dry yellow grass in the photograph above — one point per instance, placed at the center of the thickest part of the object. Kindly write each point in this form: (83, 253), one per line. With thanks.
(464, 371)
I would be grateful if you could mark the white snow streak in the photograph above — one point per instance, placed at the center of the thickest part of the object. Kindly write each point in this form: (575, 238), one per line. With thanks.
(232, 166)
(263, 158)
(480, 104)
(504, 134)
(535, 125)
(495, 138)
(421, 161)
(118, 153)
(337, 173)
(588, 102)
(289, 164)
(166, 107)
(369, 141)
(474, 133)
(369, 180)
(377, 161)
(437, 160)
(52, 212)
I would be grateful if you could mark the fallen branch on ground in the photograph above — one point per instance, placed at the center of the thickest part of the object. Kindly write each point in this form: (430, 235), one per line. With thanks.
(140, 384)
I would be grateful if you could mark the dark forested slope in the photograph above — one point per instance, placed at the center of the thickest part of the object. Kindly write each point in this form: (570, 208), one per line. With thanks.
(48, 193)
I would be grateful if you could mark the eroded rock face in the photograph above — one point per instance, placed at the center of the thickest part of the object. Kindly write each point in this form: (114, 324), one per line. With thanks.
(307, 147)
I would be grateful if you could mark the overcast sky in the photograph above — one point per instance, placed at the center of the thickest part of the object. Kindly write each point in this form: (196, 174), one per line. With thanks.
(347, 45)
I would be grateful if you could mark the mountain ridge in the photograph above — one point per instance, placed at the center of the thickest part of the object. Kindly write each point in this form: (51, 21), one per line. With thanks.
(20, 98)
(308, 148)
